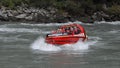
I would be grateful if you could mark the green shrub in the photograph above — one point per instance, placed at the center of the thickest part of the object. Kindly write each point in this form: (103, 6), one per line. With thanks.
(12, 3)
(115, 9)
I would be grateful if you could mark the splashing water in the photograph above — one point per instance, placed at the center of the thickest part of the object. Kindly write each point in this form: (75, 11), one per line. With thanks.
(39, 44)
(74, 47)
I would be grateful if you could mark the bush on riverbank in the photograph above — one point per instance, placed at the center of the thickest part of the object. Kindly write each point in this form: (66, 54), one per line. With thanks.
(79, 7)
(115, 9)
(12, 3)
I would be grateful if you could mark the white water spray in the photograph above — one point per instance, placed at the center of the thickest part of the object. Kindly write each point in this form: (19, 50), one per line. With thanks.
(39, 44)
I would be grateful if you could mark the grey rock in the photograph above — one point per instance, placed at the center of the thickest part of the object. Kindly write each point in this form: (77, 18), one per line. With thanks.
(21, 16)
(29, 18)
(10, 14)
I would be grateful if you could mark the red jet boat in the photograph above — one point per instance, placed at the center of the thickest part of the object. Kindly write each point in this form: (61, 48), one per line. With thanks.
(66, 34)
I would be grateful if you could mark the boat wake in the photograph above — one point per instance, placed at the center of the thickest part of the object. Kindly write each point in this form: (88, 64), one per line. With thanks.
(40, 45)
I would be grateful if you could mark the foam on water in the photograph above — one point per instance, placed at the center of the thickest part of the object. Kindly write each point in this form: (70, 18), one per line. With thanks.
(112, 23)
(92, 40)
(19, 30)
(51, 24)
(74, 47)
(23, 30)
(40, 24)
(39, 44)
(13, 39)
(114, 31)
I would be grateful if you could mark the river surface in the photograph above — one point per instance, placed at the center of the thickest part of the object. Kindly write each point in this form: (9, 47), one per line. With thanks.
(22, 46)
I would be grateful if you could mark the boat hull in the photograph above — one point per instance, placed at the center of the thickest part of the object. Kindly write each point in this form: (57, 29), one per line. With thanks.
(61, 40)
